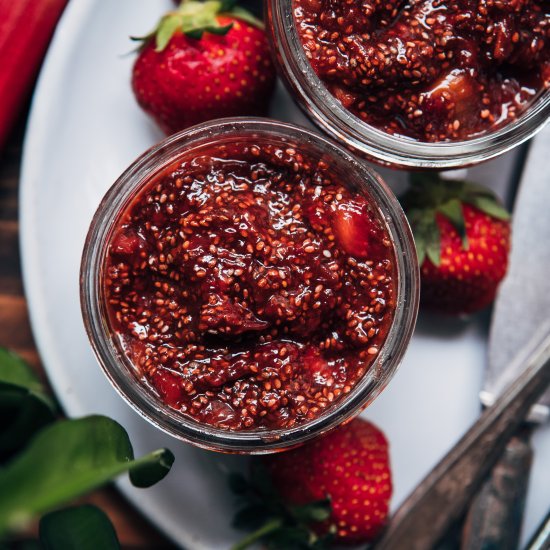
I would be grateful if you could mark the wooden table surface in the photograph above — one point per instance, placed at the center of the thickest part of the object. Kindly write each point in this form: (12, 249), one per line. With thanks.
(133, 530)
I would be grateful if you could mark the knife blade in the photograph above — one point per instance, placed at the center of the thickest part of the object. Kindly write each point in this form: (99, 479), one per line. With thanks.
(522, 305)
(523, 300)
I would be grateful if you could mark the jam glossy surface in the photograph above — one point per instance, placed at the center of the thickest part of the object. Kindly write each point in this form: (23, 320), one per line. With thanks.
(432, 70)
(249, 287)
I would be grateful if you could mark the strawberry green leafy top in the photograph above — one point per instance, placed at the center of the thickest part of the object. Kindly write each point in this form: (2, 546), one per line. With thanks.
(193, 18)
(430, 195)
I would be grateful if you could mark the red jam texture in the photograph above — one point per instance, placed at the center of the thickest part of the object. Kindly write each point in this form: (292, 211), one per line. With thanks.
(249, 287)
(432, 70)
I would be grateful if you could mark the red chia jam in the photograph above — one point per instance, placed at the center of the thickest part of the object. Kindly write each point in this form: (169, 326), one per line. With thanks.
(250, 288)
(431, 70)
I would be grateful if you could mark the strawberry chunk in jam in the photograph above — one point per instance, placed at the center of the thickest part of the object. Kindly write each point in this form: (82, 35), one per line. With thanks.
(431, 70)
(249, 287)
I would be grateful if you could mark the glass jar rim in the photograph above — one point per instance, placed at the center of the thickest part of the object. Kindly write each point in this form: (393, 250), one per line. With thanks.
(376, 145)
(118, 367)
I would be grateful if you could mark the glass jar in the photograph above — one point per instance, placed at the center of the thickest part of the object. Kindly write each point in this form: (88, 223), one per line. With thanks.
(125, 376)
(366, 140)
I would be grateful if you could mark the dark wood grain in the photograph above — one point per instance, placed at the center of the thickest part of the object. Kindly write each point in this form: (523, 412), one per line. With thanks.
(134, 530)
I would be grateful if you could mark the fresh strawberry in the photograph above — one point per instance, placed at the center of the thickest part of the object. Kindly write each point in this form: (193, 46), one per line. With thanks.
(204, 60)
(462, 237)
(335, 489)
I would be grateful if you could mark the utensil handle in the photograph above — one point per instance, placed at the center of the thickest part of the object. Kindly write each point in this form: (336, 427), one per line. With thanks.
(442, 497)
(495, 515)
(541, 539)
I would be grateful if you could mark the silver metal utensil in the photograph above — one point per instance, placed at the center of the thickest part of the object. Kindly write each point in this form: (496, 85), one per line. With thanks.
(523, 303)
(442, 497)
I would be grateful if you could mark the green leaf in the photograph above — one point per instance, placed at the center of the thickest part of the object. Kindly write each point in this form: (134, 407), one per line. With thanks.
(198, 17)
(247, 17)
(291, 538)
(15, 372)
(313, 512)
(452, 210)
(167, 27)
(298, 538)
(26, 414)
(274, 522)
(218, 29)
(262, 532)
(67, 459)
(433, 247)
(25, 405)
(490, 206)
(149, 470)
(428, 194)
(194, 18)
(427, 236)
(420, 251)
(79, 528)
(426, 232)
(196, 34)
(206, 10)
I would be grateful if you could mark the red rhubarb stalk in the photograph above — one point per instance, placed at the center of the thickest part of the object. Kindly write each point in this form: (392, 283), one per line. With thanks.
(26, 27)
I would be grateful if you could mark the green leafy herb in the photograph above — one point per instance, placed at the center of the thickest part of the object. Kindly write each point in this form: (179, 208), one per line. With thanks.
(24, 404)
(68, 459)
(23, 415)
(151, 468)
(79, 528)
(15, 372)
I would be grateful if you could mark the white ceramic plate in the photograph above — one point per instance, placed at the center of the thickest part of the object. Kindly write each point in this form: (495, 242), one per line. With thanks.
(85, 128)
